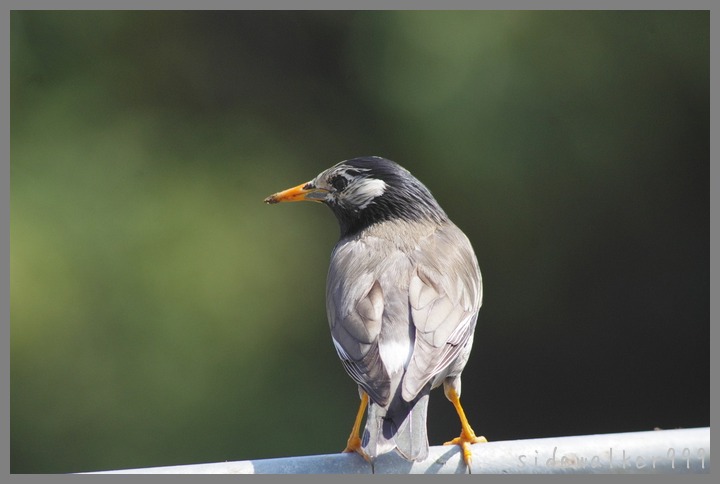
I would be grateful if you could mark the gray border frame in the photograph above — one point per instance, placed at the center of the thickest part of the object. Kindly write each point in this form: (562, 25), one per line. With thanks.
(287, 5)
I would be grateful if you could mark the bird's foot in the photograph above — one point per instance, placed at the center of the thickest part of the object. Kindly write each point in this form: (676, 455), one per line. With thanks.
(355, 445)
(465, 440)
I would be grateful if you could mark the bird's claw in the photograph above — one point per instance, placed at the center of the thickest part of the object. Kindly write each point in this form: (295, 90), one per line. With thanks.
(355, 445)
(465, 440)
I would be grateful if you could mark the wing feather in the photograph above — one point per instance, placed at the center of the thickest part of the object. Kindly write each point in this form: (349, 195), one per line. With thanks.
(445, 294)
(355, 306)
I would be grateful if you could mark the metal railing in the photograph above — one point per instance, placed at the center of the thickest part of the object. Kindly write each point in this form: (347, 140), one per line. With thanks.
(681, 451)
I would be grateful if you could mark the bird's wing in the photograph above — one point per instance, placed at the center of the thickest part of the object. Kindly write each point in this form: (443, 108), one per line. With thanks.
(445, 294)
(355, 305)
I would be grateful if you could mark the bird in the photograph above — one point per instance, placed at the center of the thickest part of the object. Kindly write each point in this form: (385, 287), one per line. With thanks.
(403, 294)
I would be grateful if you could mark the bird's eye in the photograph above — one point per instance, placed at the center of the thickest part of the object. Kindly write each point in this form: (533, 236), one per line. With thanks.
(339, 183)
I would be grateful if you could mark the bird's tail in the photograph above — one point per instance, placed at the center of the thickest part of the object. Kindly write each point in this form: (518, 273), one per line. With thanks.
(401, 426)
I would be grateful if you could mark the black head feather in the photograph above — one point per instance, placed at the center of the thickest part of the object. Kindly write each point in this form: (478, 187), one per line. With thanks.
(367, 190)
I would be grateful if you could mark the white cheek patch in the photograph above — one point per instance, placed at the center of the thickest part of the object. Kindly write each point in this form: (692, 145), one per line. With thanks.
(364, 191)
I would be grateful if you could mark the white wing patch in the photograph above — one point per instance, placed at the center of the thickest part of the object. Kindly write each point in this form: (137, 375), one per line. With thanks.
(340, 351)
(395, 355)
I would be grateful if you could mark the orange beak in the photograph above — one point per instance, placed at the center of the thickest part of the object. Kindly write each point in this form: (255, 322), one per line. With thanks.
(300, 193)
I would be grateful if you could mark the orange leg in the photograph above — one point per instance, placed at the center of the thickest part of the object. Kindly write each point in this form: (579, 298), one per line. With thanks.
(354, 444)
(467, 435)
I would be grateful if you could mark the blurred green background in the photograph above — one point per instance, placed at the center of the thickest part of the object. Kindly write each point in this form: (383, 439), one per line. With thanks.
(161, 314)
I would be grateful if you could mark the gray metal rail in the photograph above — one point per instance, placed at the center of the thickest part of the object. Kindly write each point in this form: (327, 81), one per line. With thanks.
(682, 451)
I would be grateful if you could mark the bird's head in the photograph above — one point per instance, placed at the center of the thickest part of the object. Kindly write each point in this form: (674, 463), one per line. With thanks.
(363, 191)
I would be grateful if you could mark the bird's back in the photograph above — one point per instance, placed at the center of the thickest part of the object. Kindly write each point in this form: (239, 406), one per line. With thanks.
(402, 299)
